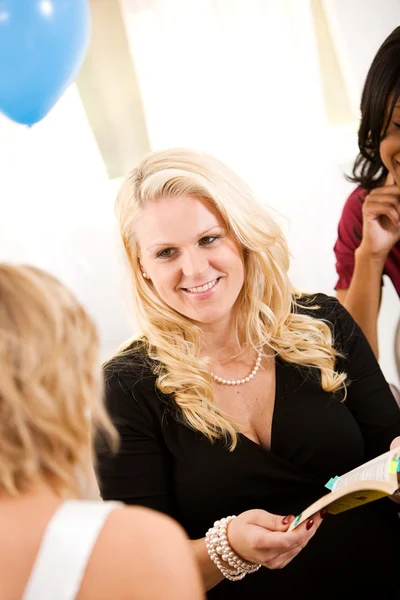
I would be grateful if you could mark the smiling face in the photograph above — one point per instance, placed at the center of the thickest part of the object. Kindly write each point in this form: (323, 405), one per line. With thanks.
(389, 148)
(186, 252)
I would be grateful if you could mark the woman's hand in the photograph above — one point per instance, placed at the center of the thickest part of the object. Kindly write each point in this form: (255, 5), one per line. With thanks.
(261, 537)
(381, 220)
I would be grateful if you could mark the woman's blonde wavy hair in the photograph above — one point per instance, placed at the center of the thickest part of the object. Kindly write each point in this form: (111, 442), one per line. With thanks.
(50, 384)
(266, 307)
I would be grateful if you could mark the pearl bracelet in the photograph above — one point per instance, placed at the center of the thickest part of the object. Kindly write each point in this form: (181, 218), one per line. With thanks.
(219, 548)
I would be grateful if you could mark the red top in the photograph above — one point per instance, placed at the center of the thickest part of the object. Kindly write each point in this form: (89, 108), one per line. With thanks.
(349, 238)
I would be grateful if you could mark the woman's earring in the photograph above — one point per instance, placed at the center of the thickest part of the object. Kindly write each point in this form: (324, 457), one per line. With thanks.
(144, 275)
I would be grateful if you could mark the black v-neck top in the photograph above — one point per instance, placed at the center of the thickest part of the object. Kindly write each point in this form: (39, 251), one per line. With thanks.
(165, 465)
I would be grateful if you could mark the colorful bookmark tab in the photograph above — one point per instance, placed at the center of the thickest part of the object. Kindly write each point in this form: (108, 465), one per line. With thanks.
(331, 482)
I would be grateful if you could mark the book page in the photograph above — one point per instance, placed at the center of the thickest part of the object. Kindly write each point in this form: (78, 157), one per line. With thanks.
(376, 469)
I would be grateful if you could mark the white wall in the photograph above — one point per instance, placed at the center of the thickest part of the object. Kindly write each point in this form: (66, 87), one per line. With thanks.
(360, 28)
(56, 211)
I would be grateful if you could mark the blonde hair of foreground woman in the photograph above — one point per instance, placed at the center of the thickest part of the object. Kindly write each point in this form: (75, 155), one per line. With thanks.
(266, 314)
(50, 382)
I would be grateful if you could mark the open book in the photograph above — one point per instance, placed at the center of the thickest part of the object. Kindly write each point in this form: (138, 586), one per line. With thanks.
(374, 479)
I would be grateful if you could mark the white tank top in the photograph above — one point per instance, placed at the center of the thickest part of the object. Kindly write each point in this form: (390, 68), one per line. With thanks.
(65, 549)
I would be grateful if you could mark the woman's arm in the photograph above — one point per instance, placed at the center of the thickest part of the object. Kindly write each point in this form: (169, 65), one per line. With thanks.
(259, 537)
(210, 573)
(363, 298)
(138, 472)
(380, 232)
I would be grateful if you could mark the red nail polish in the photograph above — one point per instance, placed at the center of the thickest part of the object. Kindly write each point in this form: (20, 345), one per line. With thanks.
(286, 520)
(309, 524)
(323, 512)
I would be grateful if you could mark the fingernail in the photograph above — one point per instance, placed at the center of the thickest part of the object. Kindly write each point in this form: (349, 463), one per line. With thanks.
(286, 520)
(309, 524)
(323, 513)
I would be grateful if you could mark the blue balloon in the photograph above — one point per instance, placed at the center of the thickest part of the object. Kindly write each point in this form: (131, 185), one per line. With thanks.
(43, 44)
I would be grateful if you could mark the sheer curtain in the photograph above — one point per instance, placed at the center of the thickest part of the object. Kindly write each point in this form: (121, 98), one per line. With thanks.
(241, 79)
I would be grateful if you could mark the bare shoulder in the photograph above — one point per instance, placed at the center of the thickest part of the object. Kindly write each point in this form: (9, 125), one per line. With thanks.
(141, 554)
(140, 527)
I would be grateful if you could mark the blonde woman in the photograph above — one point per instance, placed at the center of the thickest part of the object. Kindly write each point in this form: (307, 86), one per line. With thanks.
(241, 397)
(54, 544)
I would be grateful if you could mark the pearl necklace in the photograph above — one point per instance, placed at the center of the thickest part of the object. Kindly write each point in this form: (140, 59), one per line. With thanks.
(240, 381)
